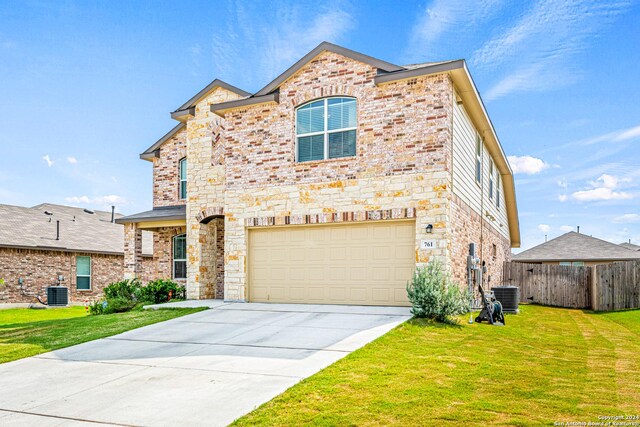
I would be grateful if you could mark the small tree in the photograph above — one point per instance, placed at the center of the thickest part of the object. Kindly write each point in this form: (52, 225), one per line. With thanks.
(435, 296)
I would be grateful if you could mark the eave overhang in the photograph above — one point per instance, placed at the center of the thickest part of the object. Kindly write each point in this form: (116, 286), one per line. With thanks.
(222, 108)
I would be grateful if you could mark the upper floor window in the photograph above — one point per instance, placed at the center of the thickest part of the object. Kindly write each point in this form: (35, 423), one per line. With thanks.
(180, 256)
(326, 129)
(478, 159)
(491, 179)
(183, 178)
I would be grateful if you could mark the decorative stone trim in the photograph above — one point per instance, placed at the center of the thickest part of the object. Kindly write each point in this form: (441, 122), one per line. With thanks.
(321, 92)
(208, 213)
(332, 217)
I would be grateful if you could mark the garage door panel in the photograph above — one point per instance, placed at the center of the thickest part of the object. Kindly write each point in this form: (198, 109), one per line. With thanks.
(315, 294)
(358, 253)
(364, 263)
(400, 296)
(359, 234)
(337, 294)
(358, 295)
(380, 294)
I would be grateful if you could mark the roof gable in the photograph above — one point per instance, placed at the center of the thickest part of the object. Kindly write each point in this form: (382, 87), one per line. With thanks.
(187, 109)
(574, 246)
(327, 47)
(152, 152)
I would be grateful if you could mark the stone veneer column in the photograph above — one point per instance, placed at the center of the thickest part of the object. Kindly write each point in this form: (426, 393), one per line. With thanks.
(206, 187)
(132, 251)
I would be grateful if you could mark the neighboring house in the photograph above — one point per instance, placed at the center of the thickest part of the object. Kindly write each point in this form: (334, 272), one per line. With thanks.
(39, 244)
(330, 184)
(630, 245)
(576, 249)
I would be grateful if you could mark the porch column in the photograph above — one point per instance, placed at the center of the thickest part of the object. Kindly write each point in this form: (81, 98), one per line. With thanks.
(132, 251)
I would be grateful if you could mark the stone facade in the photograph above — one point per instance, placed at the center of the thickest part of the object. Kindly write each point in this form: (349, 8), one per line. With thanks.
(41, 268)
(166, 171)
(242, 172)
(206, 191)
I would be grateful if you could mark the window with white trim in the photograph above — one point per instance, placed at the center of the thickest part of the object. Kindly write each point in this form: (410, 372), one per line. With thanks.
(83, 273)
(180, 256)
(478, 159)
(326, 129)
(490, 179)
(183, 178)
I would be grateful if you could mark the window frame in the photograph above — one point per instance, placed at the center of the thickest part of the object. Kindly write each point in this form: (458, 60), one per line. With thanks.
(498, 191)
(182, 183)
(173, 256)
(491, 167)
(478, 168)
(84, 275)
(326, 130)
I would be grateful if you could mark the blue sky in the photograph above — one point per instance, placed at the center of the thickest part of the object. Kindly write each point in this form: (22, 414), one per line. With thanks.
(87, 86)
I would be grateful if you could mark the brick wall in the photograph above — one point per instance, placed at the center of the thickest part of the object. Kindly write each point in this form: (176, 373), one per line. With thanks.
(244, 166)
(40, 269)
(468, 227)
(402, 160)
(166, 171)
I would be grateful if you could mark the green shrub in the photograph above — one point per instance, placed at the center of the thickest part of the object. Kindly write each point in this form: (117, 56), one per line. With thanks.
(125, 289)
(161, 290)
(113, 305)
(127, 295)
(434, 295)
(98, 306)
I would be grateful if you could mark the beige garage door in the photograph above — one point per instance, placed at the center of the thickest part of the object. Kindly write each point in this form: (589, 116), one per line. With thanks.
(364, 264)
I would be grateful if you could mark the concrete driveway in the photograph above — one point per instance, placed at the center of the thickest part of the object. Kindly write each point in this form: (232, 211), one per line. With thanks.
(208, 368)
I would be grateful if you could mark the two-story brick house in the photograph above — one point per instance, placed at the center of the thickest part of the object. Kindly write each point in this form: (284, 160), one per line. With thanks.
(330, 184)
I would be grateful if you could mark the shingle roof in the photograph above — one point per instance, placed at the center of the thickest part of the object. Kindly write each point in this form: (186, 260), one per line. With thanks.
(80, 231)
(630, 246)
(574, 246)
(162, 213)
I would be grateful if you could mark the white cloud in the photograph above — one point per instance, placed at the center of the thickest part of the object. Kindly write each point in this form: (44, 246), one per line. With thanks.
(631, 133)
(562, 183)
(48, 160)
(441, 17)
(566, 228)
(627, 218)
(563, 197)
(527, 164)
(540, 46)
(603, 188)
(545, 228)
(615, 136)
(72, 160)
(264, 46)
(99, 201)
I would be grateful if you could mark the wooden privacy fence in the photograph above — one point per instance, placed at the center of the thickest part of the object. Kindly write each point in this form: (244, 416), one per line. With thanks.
(604, 287)
(547, 284)
(617, 286)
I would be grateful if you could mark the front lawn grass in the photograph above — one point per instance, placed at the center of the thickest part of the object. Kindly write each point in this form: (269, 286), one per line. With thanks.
(547, 364)
(26, 332)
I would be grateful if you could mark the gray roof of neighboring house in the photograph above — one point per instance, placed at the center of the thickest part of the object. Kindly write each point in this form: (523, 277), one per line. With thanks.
(574, 246)
(80, 231)
(630, 246)
(162, 213)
